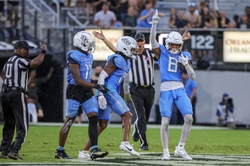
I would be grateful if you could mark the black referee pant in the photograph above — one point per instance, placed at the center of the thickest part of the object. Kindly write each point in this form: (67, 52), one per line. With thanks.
(143, 99)
(15, 115)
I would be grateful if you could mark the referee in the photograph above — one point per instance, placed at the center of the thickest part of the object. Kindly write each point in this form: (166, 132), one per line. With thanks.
(14, 98)
(142, 92)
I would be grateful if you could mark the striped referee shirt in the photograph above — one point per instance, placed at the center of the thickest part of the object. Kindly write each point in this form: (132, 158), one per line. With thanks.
(16, 72)
(142, 69)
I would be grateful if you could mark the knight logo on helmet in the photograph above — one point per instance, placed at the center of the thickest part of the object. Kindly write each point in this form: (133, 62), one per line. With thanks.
(126, 41)
(84, 41)
(127, 45)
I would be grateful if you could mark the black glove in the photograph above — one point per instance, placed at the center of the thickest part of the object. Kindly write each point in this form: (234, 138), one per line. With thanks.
(101, 88)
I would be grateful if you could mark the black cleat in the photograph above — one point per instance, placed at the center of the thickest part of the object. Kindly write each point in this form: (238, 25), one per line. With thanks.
(4, 155)
(97, 153)
(14, 156)
(61, 154)
(144, 147)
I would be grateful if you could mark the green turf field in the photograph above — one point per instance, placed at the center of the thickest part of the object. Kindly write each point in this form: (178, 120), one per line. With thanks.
(207, 146)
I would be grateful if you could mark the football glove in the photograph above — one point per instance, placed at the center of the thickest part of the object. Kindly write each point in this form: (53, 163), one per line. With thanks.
(102, 102)
(155, 18)
(101, 88)
(183, 59)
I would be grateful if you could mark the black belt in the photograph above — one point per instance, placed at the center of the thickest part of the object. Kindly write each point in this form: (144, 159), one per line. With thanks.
(141, 86)
(8, 89)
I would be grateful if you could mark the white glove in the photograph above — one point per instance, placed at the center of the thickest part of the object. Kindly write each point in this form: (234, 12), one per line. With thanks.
(155, 18)
(102, 102)
(183, 59)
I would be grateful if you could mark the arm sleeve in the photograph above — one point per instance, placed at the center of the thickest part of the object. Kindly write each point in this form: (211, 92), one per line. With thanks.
(153, 41)
(189, 69)
(101, 79)
(24, 63)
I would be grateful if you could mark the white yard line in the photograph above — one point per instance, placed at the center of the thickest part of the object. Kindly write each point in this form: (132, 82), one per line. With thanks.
(148, 126)
(154, 159)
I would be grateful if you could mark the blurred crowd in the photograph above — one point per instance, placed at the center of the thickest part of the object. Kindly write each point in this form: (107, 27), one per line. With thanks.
(109, 14)
(113, 13)
(203, 16)
(9, 9)
(137, 13)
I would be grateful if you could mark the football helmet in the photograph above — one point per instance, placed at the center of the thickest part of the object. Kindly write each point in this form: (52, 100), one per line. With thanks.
(84, 41)
(174, 38)
(127, 45)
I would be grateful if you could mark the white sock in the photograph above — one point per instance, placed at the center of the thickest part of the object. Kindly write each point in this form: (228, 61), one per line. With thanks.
(181, 145)
(164, 132)
(85, 151)
(188, 119)
(126, 142)
(166, 150)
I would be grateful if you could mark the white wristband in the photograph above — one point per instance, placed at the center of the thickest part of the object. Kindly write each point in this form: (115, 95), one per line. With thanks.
(102, 76)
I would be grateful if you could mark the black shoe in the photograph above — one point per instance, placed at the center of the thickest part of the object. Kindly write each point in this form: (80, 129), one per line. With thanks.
(61, 154)
(135, 135)
(4, 155)
(144, 147)
(97, 153)
(14, 156)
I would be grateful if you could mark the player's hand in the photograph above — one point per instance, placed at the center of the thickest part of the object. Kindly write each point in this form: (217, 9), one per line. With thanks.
(186, 35)
(98, 35)
(155, 18)
(101, 88)
(102, 102)
(151, 11)
(43, 48)
(183, 59)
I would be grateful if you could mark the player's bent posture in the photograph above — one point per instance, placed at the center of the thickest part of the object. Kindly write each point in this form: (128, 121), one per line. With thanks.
(170, 58)
(112, 76)
(141, 89)
(79, 93)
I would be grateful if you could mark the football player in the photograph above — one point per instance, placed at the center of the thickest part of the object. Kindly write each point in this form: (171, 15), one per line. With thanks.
(172, 89)
(79, 93)
(112, 76)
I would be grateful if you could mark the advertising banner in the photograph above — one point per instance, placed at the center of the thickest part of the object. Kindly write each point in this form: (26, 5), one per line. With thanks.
(236, 46)
(102, 51)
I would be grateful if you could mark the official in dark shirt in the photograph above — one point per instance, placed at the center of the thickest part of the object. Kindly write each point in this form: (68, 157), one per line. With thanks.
(14, 98)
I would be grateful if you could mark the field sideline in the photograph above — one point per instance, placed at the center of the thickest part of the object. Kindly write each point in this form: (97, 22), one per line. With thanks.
(208, 146)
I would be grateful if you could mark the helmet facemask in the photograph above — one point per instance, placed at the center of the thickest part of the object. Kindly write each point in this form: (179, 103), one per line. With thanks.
(174, 50)
(133, 53)
(91, 47)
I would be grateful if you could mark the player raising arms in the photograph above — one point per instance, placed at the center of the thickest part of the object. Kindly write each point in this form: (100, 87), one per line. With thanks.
(112, 76)
(79, 93)
(170, 59)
